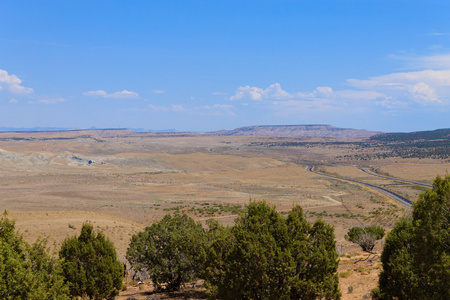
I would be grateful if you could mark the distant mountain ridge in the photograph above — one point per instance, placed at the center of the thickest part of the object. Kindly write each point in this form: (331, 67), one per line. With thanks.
(438, 134)
(320, 131)
(56, 129)
(34, 129)
(295, 131)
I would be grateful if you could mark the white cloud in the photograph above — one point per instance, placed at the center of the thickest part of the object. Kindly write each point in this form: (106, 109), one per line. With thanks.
(324, 91)
(219, 94)
(13, 83)
(274, 91)
(396, 90)
(159, 91)
(429, 86)
(124, 94)
(423, 92)
(13, 100)
(99, 93)
(102, 93)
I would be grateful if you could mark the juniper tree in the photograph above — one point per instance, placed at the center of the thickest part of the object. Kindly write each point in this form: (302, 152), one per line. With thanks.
(266, 256)
(168, 250)
(28, 272)
(91, 267)
(416, 255)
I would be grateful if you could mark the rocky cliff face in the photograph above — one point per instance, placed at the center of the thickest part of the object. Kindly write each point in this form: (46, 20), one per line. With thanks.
(322, 131)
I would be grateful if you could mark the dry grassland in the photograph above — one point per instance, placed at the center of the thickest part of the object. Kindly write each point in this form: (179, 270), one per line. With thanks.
(133, 180)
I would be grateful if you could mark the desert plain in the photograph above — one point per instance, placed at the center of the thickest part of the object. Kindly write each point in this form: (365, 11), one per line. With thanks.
(122, 181)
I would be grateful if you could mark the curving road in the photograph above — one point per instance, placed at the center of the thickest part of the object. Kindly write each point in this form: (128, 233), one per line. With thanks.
(397, 179)
(394, 196)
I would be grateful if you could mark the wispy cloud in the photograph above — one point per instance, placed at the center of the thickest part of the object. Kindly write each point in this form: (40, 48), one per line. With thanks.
(48, 101)
(159, 91)
(51, 101)
(13, 84)
(429, 86)
(438, 33)
(216, 110)
(170, 108)
(103, 94)
(431, 62)
(275, 92)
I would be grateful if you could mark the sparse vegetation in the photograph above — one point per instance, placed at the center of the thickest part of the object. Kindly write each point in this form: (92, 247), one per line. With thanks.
(365, 237)
(350, 289)
(345, 274)
(341, 215)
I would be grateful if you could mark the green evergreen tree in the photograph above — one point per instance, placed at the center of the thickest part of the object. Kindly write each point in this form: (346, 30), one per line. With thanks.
(416, 255)
(28, 271)
(90, 265)
(216, 245)
(168, 250)
(265, 256)
(314, 250)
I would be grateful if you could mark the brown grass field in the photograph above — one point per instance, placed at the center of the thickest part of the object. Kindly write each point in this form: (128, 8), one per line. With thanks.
(133, 180)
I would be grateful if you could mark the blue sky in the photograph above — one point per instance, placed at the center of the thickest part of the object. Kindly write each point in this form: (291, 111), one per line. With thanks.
(211, 65)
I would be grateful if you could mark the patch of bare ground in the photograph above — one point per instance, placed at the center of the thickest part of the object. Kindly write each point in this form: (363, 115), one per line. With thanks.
(58, 225)
(358, 273)
(145, 290)
(425, 171)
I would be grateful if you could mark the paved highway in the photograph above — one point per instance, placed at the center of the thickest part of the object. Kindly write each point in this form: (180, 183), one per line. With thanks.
(397, 179)
(394, 196)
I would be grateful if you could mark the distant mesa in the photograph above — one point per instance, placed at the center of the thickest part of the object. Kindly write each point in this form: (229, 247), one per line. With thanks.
(307, 131)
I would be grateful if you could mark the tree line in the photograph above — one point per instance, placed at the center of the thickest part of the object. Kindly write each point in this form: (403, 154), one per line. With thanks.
(263, 256)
